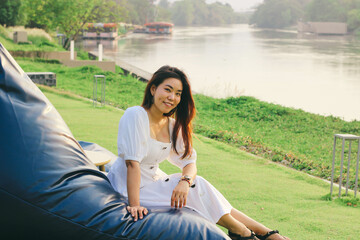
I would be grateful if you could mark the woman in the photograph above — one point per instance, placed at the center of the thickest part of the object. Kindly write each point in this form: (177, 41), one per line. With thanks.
(148, 134)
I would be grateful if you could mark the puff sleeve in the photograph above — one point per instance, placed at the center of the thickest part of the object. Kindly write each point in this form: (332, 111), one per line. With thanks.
(175, 158)
(133, 134)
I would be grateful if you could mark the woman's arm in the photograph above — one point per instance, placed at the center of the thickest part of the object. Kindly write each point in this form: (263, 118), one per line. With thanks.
(180, 192)
(133, 189)
(190, 170)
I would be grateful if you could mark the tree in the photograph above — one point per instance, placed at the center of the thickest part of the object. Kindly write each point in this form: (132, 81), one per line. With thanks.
(74, 16)
(113, 11)
(69, 16)
(220, 13)
(142, 11)
(183, 12)
(353, 20)
(9, 10)
(197, 12)
(164, 4)
(215, 16)
(38, 13)
(277, 14)
(326, 11)
(351, 4)
(163, 14)
(202, 12)
(353, 14)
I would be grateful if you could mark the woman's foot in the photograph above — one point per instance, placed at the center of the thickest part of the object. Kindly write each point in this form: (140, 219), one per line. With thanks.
(272, 235)
(250, 236)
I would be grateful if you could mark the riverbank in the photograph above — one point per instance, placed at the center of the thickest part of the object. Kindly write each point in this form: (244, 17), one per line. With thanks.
(292, 137)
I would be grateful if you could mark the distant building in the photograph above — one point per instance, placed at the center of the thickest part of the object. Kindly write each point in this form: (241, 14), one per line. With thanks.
(101, 31)
(325, 28)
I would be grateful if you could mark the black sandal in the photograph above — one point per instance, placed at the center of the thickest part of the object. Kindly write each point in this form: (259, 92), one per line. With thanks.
(264, 237)
(235, 236)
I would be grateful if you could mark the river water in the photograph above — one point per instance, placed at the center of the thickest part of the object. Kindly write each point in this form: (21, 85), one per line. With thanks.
(319, 74)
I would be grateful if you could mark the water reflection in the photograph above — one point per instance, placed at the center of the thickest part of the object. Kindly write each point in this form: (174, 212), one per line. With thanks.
(273, 34)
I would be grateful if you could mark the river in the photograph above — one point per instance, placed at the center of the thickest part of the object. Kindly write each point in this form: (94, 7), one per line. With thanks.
(319, 74)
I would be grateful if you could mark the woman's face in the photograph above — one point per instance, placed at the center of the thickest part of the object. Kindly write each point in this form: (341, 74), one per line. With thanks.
(167, 95)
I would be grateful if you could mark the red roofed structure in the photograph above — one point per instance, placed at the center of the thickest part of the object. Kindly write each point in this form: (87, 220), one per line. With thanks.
(159, 27)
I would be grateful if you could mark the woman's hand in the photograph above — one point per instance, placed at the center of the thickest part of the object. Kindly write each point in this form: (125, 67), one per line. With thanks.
(136, 211)
(179, 195)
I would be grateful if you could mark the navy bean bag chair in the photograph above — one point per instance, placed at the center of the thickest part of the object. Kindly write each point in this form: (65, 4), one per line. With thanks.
(50, 190)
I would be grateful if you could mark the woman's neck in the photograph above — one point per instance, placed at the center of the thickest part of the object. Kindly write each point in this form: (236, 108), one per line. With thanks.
(155, 115)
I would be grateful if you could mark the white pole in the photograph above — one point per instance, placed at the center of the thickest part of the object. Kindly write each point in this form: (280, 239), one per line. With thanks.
(72, 50)
(100, 52)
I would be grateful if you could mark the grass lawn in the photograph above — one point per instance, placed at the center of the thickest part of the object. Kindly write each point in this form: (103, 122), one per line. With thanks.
(277, 196)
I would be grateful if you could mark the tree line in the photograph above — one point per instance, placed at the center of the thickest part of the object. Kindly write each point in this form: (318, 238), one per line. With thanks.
(198, 12)
(284, 13)
(71, 16)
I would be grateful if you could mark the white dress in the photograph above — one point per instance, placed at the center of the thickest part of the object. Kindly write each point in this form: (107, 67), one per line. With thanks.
(156, 187)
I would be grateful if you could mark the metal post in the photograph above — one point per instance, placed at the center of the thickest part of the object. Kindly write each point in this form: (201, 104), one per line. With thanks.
(341, 165)
(357, 168)
(95, 91)
(333, 168)
(348, 169)
(103, 91)
(102, 82)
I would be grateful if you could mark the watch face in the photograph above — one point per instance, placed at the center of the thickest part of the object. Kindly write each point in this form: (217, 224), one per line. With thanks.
(186, 177)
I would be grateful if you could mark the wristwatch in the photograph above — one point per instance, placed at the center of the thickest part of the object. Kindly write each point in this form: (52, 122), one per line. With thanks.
(186, 178)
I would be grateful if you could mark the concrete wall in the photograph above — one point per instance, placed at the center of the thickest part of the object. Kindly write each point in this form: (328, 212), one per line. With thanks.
(39, 54)
(20, 36)
(329, 27)
(64, 58)
(105, 65)
(337, 28)
(304, 27)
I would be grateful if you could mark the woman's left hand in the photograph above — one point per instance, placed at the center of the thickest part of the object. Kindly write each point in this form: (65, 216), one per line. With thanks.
(179, 195)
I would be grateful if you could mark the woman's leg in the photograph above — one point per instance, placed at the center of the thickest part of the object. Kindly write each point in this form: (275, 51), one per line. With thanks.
(250, 223)
(233, 225)
(255, 226)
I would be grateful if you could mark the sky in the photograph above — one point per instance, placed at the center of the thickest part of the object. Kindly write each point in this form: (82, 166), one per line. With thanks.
(237, 5)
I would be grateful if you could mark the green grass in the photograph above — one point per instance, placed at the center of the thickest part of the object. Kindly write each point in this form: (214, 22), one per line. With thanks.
(121, 91)
(39, 43)
(277, 196)
(302, 139)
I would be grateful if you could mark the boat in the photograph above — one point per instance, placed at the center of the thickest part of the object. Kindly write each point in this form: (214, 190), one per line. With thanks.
(156, 28)
(101, 31)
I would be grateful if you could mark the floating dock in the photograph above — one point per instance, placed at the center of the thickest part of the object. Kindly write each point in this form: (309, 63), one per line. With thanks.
(141, 74)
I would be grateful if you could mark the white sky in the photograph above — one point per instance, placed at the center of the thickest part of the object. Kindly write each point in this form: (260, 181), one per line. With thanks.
(237, 5)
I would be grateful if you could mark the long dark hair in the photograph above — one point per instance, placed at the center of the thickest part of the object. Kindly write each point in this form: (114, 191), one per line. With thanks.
(185, 110)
